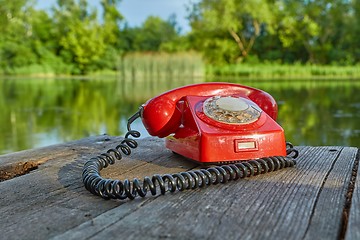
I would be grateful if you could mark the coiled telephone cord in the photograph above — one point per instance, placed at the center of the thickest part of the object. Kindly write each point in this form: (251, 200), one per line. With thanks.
(123, 189)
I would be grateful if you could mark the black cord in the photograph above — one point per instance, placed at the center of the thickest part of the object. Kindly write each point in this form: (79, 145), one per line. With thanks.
(118, 189)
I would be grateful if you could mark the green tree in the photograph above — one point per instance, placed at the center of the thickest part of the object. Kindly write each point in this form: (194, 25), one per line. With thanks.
(153, 33)
(229, 28)
(80, 36)
(317, 26)
(350, 49)
(15, 34)
(44, 43)
(332, 17)
(111, 21)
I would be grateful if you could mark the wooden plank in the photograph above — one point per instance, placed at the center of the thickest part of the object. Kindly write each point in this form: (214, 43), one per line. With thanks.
(353, 226)
(288, 198)
(332, 195)
(52, 198)
(52, 202)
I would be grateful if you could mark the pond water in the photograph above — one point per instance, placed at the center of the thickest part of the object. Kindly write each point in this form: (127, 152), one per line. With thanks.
(40, 112)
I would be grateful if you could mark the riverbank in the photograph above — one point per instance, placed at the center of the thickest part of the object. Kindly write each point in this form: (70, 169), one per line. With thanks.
(152, 68)
(278, 71)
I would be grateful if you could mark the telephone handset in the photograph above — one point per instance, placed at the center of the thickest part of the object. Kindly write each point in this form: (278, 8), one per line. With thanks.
(208, 123)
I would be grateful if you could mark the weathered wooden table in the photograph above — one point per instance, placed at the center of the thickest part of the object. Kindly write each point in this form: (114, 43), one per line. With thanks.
(317, 199)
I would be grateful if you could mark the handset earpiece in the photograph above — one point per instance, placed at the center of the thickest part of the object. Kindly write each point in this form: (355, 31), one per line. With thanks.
(161, 116)
(266, 102)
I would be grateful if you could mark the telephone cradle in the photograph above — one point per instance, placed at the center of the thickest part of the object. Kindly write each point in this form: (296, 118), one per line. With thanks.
(210, 123)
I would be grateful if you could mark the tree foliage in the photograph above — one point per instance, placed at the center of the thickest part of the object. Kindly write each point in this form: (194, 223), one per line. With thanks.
(286, 30)
(152, 35)
(76, 38)
(219, 24)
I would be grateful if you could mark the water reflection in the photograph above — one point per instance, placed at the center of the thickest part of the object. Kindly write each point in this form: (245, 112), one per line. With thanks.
(39, 112)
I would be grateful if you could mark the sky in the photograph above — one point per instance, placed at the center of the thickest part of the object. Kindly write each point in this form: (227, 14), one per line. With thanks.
(136, 11)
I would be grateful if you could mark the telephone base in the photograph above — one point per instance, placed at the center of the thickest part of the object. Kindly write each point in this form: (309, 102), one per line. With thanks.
(207, 149)
(206, 141)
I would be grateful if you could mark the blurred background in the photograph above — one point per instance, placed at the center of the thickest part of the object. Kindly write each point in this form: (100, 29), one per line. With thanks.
(75, 68)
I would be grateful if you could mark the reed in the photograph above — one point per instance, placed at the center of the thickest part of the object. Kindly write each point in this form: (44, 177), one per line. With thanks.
(160, 66)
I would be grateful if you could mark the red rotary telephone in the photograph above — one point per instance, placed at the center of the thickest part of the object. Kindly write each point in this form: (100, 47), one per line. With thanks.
(209, 123)
(216, 122)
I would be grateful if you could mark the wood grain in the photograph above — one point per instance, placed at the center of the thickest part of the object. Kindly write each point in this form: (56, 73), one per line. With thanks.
(353, 227)
(306, 201)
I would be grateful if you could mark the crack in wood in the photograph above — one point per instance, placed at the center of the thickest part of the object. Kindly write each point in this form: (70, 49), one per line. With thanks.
(23, 164)
(349, 195)
(17, 169)
(319, 193)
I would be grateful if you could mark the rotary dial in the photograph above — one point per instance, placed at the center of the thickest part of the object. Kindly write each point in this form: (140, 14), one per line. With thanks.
(231, 110)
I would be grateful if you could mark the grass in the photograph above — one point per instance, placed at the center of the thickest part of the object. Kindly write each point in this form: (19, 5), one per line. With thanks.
(277, 71)
(33, 70)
